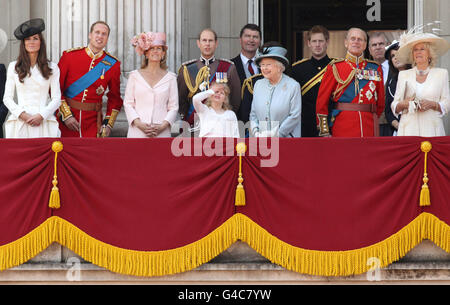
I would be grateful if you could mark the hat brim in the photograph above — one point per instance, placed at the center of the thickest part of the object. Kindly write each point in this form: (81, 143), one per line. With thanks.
(280, 58)
(387, 53)
(3, 40)
(440, 45)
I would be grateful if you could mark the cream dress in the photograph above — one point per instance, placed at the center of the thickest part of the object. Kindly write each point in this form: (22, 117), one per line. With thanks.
(152, 105)
(33, 98)
(428, 123)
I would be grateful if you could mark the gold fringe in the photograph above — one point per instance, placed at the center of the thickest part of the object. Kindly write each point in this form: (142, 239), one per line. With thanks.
(344, 263)
(238, 227)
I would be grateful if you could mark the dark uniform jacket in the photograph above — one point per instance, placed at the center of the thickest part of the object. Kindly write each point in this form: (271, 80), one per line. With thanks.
(309, 73)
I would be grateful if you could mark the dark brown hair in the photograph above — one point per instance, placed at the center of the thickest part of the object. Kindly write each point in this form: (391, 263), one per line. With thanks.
(23, 65)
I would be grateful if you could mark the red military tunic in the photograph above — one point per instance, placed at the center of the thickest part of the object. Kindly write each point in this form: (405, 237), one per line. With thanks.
(356, 91)
(73, 65)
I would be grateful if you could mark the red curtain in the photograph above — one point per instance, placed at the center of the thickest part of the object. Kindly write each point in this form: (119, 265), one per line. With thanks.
(323, 194)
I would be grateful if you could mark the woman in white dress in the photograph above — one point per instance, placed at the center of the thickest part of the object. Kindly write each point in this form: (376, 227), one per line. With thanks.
(216, 117)
(32, 75)
(422, 95)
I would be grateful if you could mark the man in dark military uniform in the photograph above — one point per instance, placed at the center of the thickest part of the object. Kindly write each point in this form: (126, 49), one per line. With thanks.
(309, 72)
(196, 75)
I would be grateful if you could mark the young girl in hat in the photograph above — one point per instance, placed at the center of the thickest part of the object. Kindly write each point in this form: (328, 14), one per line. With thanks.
(32, 75)
(216, 117)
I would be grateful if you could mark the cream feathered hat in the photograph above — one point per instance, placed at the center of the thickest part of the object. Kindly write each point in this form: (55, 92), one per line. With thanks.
(3, 40)
(409, 39)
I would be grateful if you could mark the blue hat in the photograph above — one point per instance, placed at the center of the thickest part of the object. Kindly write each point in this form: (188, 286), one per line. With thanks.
(278, 53)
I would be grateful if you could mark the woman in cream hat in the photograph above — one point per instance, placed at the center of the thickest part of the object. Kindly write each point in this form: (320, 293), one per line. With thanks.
(277, 99)
(151, 96)
(422, 95)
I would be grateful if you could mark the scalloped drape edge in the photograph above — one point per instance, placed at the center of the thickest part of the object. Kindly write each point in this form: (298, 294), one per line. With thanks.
(237, 227)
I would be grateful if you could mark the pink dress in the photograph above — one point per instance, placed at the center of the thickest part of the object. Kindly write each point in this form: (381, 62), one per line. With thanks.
(152, 105)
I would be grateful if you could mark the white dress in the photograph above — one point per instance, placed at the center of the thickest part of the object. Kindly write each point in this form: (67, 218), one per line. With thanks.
(427, 123)
(213, 124)
(33, 98)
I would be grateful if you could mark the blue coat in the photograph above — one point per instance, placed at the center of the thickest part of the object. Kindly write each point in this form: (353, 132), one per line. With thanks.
(280, 104)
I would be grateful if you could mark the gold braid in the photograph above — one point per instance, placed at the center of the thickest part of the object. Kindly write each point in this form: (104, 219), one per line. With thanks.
(342, 84)
(202, 75)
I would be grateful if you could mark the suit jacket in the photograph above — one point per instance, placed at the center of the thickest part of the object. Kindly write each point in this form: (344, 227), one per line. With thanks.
(239, 68)
(3, 109)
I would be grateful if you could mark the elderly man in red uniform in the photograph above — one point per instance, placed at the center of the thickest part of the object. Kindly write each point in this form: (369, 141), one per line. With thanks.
(351, 95)
(86, 73)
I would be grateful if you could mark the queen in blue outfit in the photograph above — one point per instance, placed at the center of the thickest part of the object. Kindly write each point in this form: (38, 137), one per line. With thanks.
(277, 101)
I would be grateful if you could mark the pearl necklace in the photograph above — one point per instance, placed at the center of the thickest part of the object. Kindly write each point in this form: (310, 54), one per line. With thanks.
(422, 72)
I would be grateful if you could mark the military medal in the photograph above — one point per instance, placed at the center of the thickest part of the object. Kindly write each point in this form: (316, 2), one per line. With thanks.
(100, 90)
(221, 77)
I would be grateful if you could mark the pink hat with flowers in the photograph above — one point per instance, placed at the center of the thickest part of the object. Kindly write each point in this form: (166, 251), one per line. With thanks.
(144, 41)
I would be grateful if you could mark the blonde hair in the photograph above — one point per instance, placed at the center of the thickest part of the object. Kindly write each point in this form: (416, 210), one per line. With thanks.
(226, 104)
(431, 50)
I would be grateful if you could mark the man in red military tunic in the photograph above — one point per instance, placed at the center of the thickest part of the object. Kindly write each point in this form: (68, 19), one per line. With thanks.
(86, 74)
(351, 95)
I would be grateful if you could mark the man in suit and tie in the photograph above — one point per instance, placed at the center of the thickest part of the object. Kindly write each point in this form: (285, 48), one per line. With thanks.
(250, 39)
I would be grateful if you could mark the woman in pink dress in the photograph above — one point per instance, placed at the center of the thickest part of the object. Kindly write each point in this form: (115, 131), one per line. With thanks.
(151, 96)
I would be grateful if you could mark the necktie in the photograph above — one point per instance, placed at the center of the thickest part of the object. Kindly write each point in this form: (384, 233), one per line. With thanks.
(250, 68)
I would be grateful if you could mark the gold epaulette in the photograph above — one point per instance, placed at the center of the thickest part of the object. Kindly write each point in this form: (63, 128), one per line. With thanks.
(372, 61)
(188, 62)
(248, 83)
(109, 54)
(300, 61)
(185, 64)
(337, 60)
(74, 49)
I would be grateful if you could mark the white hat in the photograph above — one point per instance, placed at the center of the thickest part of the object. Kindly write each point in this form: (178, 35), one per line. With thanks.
(409, 40)
(3, 40)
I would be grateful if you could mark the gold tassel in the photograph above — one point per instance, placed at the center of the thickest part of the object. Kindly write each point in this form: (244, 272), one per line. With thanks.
(425, 192)
(55, 202)
(241, 148)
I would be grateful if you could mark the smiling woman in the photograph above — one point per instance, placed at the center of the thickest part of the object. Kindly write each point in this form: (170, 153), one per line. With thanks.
(32, 76)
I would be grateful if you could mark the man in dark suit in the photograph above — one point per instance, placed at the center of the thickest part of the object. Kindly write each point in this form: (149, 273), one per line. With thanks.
(3, 109)
(250, 39)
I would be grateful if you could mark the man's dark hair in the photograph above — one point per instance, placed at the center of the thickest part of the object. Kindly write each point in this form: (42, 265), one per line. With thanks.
(250, 26)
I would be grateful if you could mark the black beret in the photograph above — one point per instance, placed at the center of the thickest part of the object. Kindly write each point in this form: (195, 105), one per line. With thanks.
(29, 28)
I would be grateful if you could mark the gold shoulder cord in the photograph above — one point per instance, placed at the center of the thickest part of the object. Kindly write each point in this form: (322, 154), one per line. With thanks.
(342, 84)
(202, 75)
